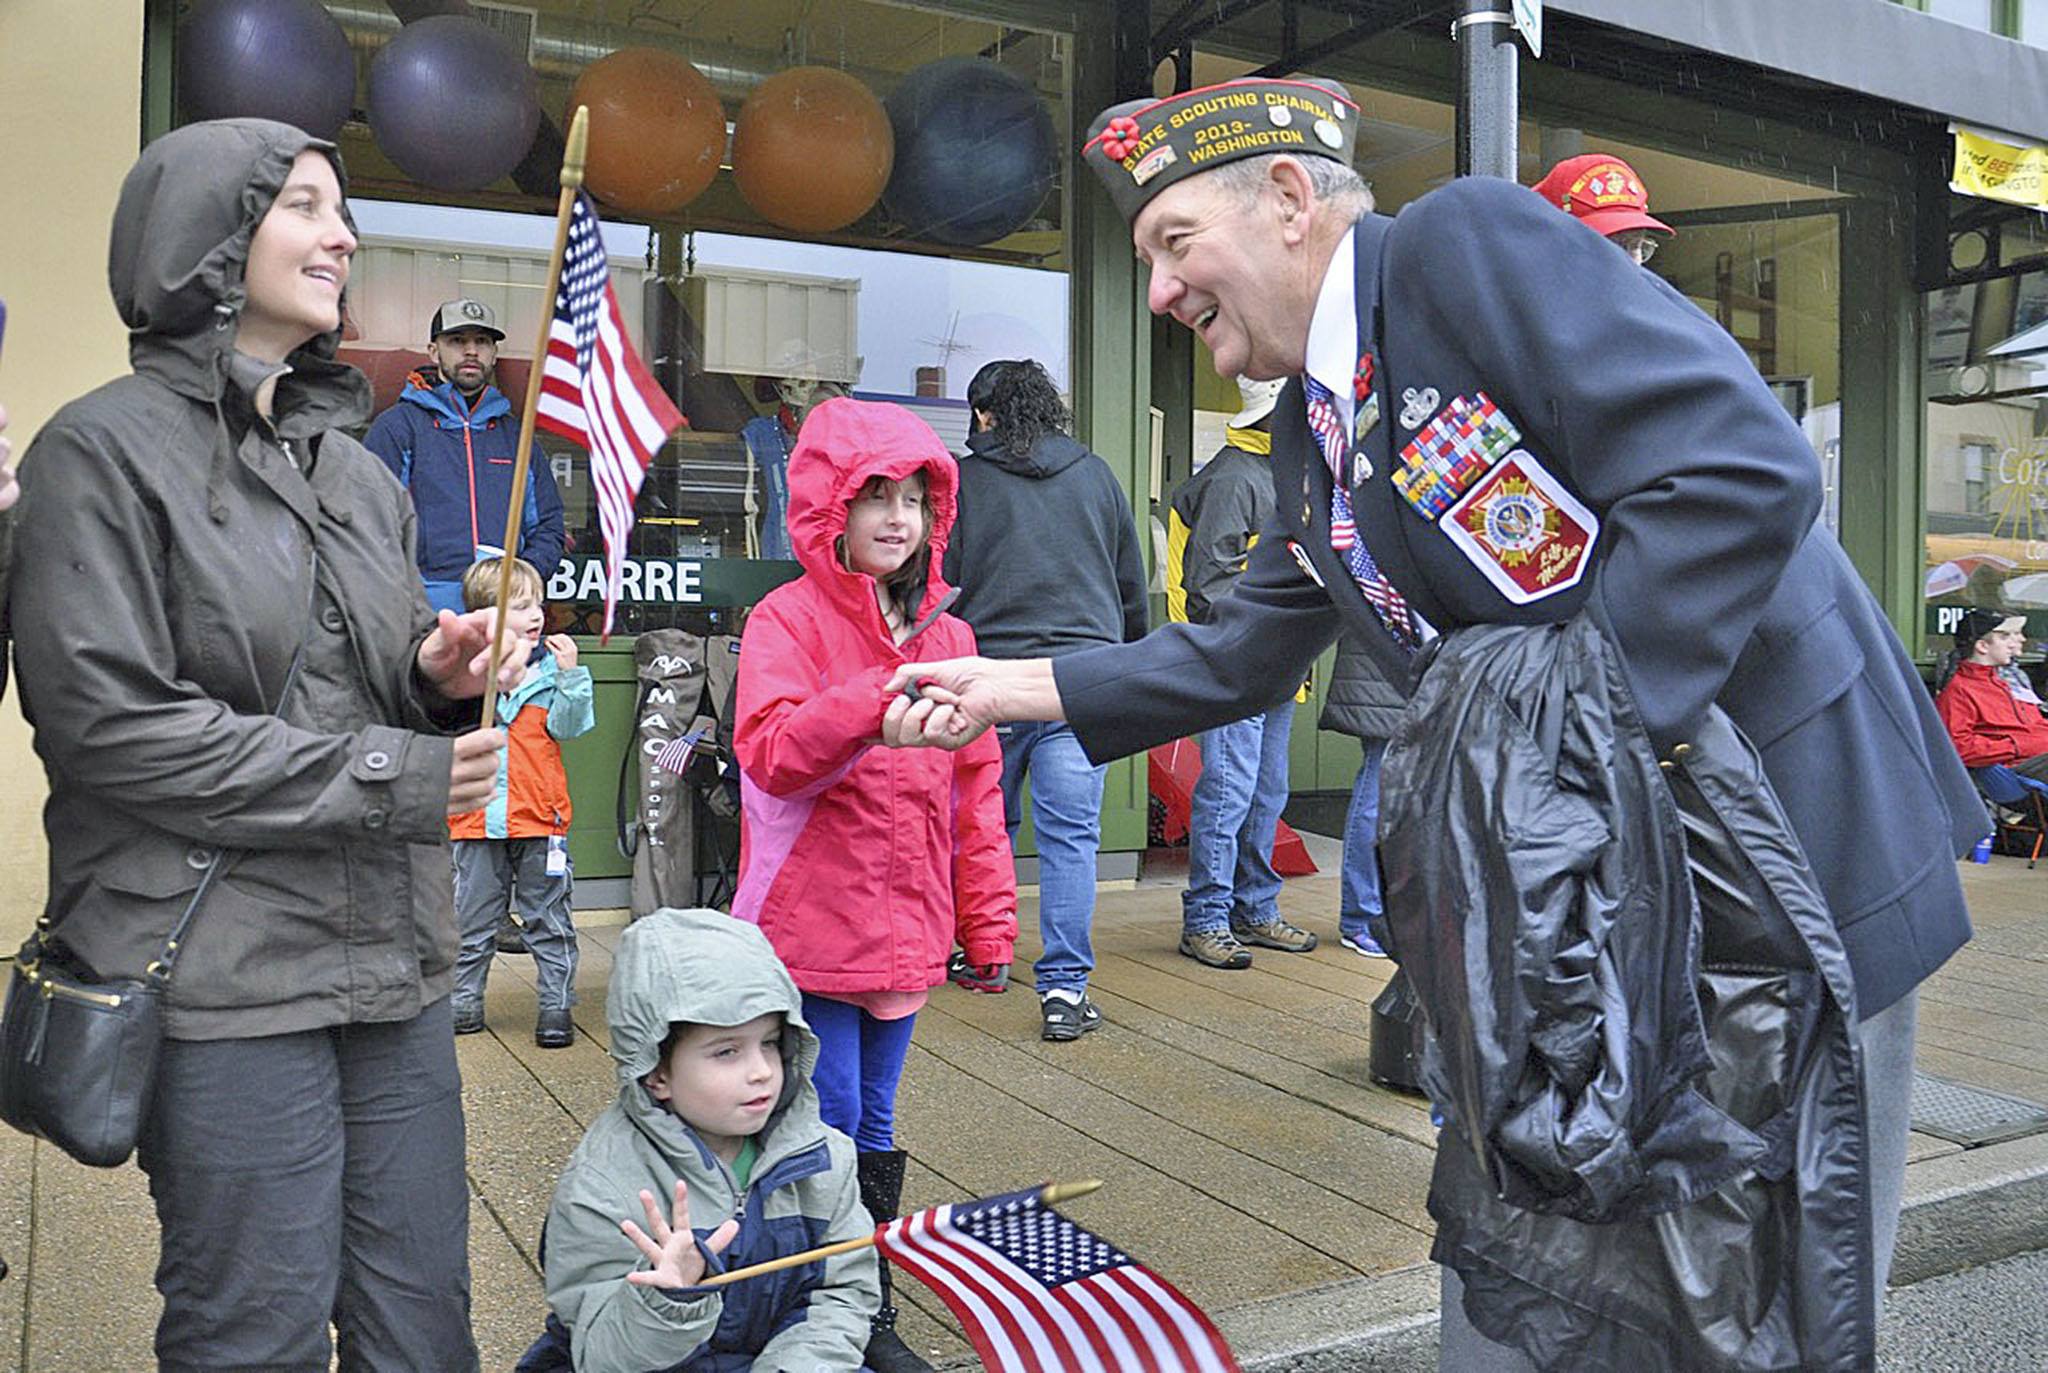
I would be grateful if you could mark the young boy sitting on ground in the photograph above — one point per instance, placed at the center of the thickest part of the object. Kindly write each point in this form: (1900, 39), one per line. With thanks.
(713, 1157)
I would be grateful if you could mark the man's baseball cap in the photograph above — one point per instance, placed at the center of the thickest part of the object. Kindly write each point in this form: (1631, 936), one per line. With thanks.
(1141, 147)
(1602, 190)
(1977, 623)
(465, 314)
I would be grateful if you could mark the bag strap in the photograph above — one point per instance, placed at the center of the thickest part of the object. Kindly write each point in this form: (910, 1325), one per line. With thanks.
(159, 970)
(624, 819)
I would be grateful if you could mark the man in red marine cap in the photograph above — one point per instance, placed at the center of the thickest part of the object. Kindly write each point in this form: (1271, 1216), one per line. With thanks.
(1606, 194)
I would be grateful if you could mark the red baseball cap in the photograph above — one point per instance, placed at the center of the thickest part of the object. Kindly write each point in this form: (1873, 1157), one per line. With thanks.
(1602, 190)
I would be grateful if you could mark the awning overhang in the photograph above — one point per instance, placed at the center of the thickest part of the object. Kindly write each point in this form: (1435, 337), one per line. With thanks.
(1874, 48)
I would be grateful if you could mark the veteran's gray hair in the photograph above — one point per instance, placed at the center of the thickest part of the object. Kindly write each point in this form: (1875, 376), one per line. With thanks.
(1335, 184)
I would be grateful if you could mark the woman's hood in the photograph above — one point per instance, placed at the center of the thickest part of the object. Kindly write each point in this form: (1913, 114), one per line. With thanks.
(843, 444)
(182, 228)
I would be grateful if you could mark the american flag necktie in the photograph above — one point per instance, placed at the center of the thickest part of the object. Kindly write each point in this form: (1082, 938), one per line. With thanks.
(1379, 593)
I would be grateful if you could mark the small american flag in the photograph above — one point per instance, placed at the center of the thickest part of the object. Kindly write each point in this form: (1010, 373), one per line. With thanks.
(675, 754)
(596, 391)
(1038, 1294)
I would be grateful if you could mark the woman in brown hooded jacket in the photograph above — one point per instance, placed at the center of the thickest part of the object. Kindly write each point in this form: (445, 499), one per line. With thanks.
(186, 532)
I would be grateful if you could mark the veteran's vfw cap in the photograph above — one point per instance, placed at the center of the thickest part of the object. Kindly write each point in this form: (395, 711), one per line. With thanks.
(1141, 147)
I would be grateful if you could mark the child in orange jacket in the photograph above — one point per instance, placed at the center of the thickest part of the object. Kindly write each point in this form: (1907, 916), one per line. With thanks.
(517, 847)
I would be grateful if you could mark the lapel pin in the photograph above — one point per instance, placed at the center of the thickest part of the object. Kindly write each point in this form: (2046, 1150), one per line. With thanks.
(1417, 407)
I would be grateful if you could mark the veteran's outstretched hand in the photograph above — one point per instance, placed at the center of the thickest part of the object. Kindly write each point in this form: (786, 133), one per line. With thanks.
(948, 703)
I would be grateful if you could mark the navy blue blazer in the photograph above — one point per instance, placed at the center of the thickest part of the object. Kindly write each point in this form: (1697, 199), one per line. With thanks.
(1556, 430)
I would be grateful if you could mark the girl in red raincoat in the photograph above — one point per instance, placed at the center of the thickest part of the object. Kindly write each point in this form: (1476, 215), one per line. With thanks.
(865, 865)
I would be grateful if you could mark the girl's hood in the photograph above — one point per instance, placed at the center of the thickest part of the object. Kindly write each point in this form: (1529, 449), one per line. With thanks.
(843, 444)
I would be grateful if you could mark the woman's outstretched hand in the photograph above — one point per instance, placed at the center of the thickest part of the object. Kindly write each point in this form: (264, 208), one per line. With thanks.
(455, 656)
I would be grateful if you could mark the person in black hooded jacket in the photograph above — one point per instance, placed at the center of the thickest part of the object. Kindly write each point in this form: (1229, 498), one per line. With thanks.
(227, 656)
(1045, 554)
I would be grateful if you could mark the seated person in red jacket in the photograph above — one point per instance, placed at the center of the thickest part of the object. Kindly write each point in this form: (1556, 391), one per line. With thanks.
(1987, 722)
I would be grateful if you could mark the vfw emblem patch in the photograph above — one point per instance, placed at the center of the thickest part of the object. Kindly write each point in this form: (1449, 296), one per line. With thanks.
(1523, 529)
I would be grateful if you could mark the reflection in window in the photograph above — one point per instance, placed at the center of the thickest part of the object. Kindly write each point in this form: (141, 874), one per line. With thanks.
(1987, 450)
(751, 303)
(1774, 283)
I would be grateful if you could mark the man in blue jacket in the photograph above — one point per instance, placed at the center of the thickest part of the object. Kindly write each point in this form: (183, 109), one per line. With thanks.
(452, 445)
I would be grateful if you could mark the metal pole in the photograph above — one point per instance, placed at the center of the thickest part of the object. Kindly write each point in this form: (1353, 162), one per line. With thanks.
(1487, 95)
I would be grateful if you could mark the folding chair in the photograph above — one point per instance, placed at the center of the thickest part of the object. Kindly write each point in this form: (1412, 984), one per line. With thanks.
(2003, 789)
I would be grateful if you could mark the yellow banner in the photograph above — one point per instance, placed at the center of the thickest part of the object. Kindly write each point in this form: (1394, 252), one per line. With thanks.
(1996, 170)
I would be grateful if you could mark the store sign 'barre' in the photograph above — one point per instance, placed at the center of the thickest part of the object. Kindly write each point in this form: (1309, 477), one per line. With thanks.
(669, 581)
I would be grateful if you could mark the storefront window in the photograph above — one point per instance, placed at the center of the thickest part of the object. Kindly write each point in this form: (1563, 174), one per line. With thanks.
(1771, 276)
(844, 245)
(1987, 450)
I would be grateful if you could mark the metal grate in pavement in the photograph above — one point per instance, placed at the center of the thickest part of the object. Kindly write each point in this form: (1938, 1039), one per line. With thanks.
(1971, 1116)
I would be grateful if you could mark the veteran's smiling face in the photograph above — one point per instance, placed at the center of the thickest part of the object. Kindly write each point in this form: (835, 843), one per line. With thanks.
(1237, 269)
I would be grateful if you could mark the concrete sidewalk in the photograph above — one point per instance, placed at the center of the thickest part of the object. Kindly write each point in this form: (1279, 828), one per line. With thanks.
(1248, 1157)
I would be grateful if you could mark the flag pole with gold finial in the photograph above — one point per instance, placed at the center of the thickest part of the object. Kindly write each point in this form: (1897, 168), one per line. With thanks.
(572, 182)
(1052, 1194)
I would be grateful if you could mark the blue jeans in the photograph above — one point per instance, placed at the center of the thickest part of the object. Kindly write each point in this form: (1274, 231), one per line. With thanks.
(860, 1061)
(1066, 812)
(1231, 819)
(1360, 887)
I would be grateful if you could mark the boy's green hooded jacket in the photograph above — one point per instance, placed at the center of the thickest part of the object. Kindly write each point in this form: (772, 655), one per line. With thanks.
(702, 967)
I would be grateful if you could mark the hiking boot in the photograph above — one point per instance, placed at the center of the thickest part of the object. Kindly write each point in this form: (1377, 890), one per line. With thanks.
(469, 1017)
(1275, 934)
(1216, 948)
(1067, 1016)
(555, 1029)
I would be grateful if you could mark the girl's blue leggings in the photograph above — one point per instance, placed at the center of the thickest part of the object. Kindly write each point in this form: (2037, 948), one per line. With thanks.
(860, 1060)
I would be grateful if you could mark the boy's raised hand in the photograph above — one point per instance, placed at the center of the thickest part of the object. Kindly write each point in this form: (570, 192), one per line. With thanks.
(673, 1248)
(564, 649)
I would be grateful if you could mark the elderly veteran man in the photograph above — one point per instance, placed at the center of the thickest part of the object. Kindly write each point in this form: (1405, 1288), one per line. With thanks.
(1495, 418)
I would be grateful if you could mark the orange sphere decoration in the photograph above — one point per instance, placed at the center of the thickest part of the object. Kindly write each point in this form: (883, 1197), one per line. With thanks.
(811, 149)
(657, 131)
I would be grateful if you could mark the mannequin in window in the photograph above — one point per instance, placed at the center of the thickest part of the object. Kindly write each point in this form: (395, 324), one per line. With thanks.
(769, 439)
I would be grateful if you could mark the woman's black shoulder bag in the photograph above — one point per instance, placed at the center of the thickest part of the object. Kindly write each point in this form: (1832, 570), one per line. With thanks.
(78, 1052)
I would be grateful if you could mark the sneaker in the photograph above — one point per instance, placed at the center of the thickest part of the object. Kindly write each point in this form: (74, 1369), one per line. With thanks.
(510, 938)
(1363, 944)
(1067, 1015)
(993, 977)
(1275, 934)
(1216, 948)
(469, 1017)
